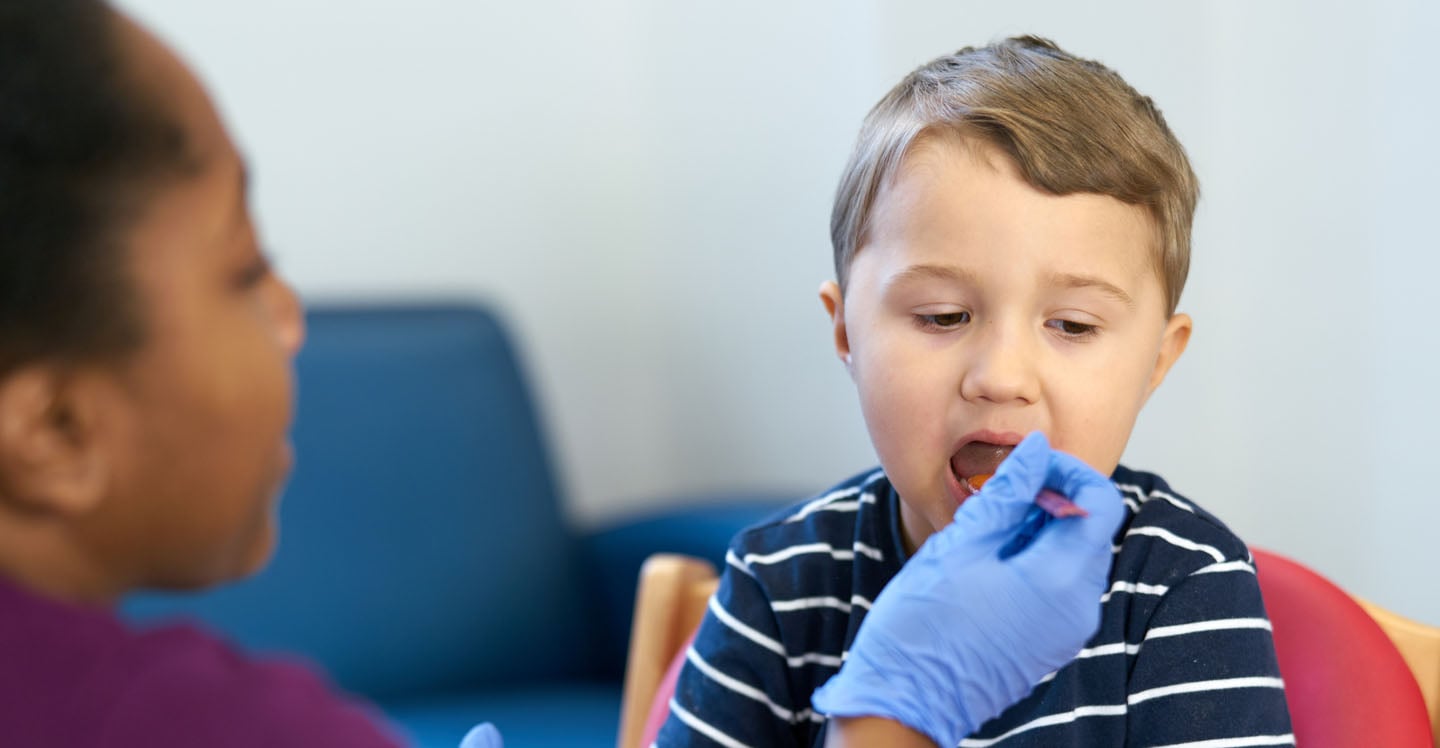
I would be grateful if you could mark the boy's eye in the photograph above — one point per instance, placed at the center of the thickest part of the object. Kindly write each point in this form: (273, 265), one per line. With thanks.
(1071, 328)
(945, 321)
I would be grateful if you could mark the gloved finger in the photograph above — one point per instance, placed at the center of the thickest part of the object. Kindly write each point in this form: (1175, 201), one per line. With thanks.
(1089, 490)
(483, 735)
(1064, 544)
(1002, 503)
(1069, 475)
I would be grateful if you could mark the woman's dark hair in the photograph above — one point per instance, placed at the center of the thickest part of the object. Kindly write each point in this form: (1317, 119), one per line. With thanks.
(81, 147)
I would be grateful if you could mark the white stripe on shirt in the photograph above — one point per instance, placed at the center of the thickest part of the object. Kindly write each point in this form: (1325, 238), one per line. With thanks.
(1224, 684)
(734, 624)
(1223, 624)
(874, 554)
(1134, 588)
(1253, 741)
(821, 503)
(1176, 540)
(806, 603)
(734, 561)
(785, 554)
(1161, 632)
(1100, 710)
(1104, 650)
(1156, 494)
(814, 505)
(748, 691)
(704, 728)
(1227, 566)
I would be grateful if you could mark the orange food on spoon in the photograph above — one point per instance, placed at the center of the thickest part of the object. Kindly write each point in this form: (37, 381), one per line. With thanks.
(1053, 503)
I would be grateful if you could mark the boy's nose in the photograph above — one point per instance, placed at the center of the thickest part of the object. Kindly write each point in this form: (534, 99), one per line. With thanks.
(1000, 368)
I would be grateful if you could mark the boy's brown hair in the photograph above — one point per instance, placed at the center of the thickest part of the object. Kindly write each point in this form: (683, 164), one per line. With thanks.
(1071, 125)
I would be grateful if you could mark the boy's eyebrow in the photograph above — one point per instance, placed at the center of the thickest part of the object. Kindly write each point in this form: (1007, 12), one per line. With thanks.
(930, 272)
(1071, 280)
(1055, 280)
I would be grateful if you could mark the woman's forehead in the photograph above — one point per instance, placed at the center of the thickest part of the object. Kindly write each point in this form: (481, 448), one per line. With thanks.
(164, 79)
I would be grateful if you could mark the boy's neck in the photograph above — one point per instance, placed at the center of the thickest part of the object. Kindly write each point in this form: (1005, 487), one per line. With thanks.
(914, 530)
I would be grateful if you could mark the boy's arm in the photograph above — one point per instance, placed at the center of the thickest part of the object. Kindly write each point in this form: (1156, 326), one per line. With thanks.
(1206, 669)
(858, 732)
(735, 687)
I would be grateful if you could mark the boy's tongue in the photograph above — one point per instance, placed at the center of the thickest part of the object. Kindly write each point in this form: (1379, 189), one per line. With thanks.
(978, 458)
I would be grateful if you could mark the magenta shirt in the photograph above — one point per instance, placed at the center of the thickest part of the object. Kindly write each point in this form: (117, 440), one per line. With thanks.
(78, 676)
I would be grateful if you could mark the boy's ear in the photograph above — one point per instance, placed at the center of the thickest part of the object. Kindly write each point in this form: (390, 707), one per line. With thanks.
(1172, 344)
(51, 460)
(834, 302)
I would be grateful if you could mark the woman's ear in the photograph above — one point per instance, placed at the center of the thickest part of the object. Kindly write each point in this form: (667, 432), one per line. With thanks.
(52, 457)
(834, 302)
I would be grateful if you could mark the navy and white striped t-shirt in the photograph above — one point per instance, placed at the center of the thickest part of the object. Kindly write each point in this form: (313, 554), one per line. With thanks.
(1183, 657)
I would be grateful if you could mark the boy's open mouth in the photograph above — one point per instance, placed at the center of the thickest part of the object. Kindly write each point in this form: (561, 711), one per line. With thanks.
(978, 458)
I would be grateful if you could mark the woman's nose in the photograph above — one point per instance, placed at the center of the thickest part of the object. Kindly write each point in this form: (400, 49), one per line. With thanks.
(289, 316)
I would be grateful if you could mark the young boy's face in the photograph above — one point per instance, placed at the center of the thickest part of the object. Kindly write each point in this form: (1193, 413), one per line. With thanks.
(980, 309)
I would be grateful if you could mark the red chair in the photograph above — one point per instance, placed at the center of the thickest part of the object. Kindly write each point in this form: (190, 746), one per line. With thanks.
(1345, 682)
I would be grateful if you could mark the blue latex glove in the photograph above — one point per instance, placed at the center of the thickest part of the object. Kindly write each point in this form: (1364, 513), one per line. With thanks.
(960, 634)
(482, 736)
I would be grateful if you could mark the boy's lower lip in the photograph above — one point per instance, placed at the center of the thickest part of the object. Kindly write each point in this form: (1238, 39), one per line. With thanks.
(959, 490)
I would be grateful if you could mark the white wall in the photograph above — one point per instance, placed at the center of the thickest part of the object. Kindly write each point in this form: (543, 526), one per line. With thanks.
(644, 188)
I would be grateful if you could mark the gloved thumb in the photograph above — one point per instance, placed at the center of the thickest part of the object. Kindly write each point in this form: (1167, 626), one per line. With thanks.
(483, 735)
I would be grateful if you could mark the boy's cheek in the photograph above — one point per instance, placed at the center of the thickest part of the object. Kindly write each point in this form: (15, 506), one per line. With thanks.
(1098, 441)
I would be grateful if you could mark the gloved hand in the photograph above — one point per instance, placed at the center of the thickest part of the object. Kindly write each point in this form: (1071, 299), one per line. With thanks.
(483, 735)
(960, 634)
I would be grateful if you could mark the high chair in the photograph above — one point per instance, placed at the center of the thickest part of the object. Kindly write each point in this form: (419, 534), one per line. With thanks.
(1419, 644)
(669, 604)
(1355, 673)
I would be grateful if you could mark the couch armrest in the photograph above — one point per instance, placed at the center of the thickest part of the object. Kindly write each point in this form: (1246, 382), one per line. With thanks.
(612, 555)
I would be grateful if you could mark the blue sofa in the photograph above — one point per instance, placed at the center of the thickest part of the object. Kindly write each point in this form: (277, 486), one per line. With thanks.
(425, 562)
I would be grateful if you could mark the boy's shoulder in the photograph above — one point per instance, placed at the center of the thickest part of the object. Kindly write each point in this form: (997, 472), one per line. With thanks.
(835, 509)
(852, 516)
(1167, 536)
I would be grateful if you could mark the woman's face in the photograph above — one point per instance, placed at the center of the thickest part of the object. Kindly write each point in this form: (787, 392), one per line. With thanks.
(206, 402)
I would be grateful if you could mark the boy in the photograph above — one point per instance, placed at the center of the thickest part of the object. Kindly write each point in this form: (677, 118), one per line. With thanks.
(1011, 239)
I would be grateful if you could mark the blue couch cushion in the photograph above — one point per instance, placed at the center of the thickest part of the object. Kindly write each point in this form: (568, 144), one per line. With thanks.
(702, 527)
(422, 543)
